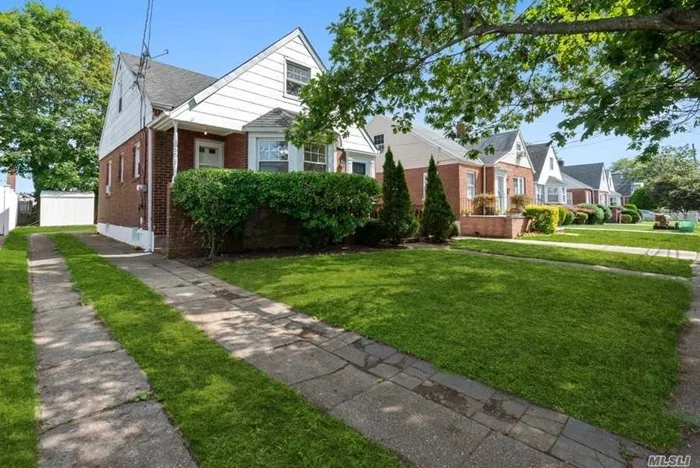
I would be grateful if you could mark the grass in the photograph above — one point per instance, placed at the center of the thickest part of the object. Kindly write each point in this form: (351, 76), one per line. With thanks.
(641, 226)
(230, 413)
(674, 240)
(665, 266)
(18, 401)
(594, 345)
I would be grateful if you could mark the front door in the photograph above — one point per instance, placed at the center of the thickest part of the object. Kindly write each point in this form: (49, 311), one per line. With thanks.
(501, 202)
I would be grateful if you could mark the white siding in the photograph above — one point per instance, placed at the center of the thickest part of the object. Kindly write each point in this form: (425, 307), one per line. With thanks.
(511, 157)
(412, 151)
(120, 126)
(546, 172)
(8, 210)
(67, 208)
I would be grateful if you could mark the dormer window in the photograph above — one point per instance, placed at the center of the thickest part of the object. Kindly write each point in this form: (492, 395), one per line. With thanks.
(297, 77)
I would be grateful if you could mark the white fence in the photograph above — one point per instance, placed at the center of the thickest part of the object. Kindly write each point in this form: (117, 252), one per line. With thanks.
(67, 208)
(8, 210)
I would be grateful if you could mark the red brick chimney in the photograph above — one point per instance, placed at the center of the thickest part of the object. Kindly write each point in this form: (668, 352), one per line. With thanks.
(12, 180)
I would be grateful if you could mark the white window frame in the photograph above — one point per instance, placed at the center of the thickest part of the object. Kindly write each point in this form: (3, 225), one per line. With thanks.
(569, 198)
(556, 191)
(324, 164)
(588, 196)
(257, 152)
(551, 163)
(200, 142)
(519, 185)
(121, 168)
(137, 160)
(108, 187)
(364, 163)
(539, 193)
(425, 184)
(379, 146)
(519, 152)
(471, 185)
(287, 62)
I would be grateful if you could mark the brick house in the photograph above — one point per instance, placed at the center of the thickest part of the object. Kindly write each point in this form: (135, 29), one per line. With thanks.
(549, 182)
(504, 172)
(162, 119)
(590, 183)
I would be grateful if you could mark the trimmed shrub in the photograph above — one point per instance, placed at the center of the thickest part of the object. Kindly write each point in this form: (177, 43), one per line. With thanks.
(545, 218)
(626, 219)
(596, 216)
(562, 215)
(371, 234)
(634, 214)
(437, 221)
(396, 214)
(631, 206)
(581, 217)
(569, 217)
(607, 213)
(327, 206)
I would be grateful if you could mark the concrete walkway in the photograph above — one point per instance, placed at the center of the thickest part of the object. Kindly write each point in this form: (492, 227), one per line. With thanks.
(430, 418)
(95, 401)
(652, 252)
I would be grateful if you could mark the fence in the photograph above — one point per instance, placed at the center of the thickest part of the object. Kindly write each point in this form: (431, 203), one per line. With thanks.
(8, 210)
(66, 208)
(483, 206)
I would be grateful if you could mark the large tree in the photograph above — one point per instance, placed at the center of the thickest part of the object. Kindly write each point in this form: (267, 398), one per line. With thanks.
(55, 79)
(669, 161)
(474, 67)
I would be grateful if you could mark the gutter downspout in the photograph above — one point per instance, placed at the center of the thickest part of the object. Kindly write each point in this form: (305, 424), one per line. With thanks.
(150, 189)
(175, 149)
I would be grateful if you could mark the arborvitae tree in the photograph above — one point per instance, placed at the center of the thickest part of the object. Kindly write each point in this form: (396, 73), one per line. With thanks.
(396, 215)
(438, 219)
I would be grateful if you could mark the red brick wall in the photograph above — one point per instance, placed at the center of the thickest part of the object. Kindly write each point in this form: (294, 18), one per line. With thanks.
(493, 226)
(518, 171)
(579, 196)
(124, 206)
(12, 180)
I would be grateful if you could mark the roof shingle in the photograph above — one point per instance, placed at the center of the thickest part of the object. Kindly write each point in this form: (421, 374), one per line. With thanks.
(589, 174)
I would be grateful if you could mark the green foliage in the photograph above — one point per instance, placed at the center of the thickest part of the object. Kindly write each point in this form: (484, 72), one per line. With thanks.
(677, 193)
(596, 216)
(581, 217)
(471, 78)
(642, 198)
(371, 234)
(626, 219)
(519, 201)
(396, 214)
(328, 206)
(486, 203)
(630, 206)
(569, 218)
(545, 218)
(55, 77)
(634, 214)
(607, 212)
(670, 161)
(562, 215)
(438, 219)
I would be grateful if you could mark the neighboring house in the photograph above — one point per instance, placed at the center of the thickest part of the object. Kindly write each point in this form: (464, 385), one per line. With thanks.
(624, 187)
(576, 191)
(8, 203)
(592, 179)
(549, 183)
(176, 119)
(505, 172)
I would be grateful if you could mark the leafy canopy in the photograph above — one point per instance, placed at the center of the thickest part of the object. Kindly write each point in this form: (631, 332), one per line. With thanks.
(55, 77)
(671, 160)
(475, 67)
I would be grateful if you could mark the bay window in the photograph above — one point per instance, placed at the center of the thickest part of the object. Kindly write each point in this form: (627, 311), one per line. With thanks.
(539, 194)
(273, 155)
(552, 194)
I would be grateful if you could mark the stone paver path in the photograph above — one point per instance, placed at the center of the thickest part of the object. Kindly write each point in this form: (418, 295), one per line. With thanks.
(652, 252)
(89, 386)
(430, 418)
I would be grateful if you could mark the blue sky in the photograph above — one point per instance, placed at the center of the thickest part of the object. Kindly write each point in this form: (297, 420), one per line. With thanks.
(214, 36)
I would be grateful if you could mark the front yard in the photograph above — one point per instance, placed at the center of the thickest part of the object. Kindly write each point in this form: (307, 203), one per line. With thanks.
(660, 240)
(595, 345)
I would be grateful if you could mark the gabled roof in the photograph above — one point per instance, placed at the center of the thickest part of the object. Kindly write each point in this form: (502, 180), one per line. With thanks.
(167, 86)
(622, 185)
(572, 183)
(589, 174)
(447, 145)
(538, 155)
(277, 117)
(502, 143)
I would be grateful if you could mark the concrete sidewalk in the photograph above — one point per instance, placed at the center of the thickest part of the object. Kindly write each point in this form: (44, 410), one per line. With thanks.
(662, 253)
(91, 390)
(430, 418)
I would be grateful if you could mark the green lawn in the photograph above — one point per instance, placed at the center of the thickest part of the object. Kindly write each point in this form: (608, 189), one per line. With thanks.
(17, 386)
(666, 266)
(641, 226)
(674, 240)
(230, 413)
(598, 346)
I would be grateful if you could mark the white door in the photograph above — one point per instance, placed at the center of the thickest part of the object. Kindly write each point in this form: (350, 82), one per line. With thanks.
(502, 202)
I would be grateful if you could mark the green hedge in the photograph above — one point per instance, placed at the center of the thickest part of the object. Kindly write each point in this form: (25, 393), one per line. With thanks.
(545, 218)
(581, 217)
(569, 217)
(626, 219)
(328, 206)
(607, 213)
(562, 215)
(597, 216)
(634, 214)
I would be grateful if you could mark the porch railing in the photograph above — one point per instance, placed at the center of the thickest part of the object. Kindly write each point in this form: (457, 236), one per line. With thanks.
(494, 206)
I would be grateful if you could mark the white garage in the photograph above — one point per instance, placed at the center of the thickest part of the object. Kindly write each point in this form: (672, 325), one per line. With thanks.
(67, 208)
